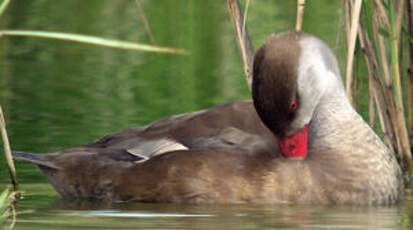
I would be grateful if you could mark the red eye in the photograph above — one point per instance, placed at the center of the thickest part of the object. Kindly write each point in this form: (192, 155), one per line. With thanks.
(293, 105)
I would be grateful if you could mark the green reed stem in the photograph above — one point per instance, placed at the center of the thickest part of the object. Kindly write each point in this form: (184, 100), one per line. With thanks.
(396, 83)
(7, 152)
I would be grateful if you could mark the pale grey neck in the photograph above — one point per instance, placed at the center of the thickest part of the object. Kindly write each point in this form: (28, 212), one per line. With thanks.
(337, 130)
(333, 117)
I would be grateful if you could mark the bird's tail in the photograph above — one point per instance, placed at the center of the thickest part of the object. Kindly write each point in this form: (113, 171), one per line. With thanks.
(36, 159)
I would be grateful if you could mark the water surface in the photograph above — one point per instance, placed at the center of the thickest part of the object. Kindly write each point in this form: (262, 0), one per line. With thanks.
(58, 95)
(44, 210)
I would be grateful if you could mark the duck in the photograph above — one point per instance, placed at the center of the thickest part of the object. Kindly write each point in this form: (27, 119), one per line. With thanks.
(298, 141)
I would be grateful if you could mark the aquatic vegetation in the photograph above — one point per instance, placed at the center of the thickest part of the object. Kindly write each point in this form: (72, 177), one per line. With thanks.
(6, 208)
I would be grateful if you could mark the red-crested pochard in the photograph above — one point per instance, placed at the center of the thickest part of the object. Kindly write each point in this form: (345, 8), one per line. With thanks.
(298, 142)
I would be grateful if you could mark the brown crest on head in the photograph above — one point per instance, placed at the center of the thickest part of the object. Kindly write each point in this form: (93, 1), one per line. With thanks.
(274, 86)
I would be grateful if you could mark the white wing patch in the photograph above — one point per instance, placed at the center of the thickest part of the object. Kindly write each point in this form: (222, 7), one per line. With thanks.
(150, 148)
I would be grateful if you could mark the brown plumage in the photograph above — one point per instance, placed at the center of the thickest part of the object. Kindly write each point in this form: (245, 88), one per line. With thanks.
(226, 154)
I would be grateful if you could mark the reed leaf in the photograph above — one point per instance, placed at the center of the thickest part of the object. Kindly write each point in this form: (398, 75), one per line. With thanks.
(3, 6)
(93, 40)
(145, 22)
(6, 208)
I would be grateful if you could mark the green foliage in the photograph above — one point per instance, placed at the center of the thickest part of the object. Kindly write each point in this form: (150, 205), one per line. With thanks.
(6, 200)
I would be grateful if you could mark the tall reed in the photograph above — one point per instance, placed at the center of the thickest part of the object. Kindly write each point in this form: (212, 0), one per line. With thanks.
(243, 41)
(300, 15)
(381, 41)
(7, 152)
(409, 12)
